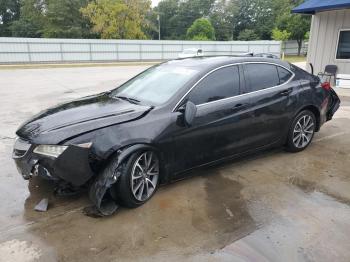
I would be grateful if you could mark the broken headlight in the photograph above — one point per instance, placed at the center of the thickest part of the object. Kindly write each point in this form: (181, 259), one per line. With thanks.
(55, 150)
(50, 150)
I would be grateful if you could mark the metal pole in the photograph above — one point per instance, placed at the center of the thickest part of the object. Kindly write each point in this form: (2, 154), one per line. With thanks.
(158, 18)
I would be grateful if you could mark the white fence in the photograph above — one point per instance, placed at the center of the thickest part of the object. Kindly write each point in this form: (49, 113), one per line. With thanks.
(41, 50)
(291, 48)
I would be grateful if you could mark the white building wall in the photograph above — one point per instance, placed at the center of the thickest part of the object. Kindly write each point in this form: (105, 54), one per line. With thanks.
(323, 41)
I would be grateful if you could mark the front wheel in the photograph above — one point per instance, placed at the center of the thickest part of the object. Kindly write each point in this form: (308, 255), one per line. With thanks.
(139, 179)
(301, 131)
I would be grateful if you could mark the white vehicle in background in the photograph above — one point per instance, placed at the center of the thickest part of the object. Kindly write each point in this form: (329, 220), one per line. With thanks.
(191, 52)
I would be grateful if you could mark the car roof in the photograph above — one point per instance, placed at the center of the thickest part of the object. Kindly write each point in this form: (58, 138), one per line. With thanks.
(205, 63)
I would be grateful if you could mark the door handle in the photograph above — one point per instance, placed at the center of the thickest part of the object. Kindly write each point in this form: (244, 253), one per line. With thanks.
(286, 92)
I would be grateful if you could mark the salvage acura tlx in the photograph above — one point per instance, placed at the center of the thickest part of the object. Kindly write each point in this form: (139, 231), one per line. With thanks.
(171, 118)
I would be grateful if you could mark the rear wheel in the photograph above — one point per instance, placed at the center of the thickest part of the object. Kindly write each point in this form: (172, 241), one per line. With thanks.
(301, 131)
(139, 179)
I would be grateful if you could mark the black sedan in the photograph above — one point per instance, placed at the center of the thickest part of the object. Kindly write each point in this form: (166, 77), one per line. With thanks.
(169, 119)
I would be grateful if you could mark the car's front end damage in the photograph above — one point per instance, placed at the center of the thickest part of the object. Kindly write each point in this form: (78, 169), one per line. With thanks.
(69, 166)
(72, 167)
(54, 162)
(62, 145)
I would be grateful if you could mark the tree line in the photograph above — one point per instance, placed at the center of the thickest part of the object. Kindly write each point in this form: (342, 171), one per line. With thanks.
(136, 19)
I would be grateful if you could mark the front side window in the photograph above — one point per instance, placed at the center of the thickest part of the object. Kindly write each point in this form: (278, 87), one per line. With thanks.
(156, 85)
(220, 84)
(343, 51)
(261, 76)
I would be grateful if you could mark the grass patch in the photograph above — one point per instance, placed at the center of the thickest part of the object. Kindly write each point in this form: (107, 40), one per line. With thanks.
(294, 58)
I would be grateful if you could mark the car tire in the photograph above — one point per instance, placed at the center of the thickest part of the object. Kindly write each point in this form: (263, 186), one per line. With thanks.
(301, 131)
(138, 180)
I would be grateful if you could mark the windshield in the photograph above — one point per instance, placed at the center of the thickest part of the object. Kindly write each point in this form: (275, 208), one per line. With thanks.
(156, 85)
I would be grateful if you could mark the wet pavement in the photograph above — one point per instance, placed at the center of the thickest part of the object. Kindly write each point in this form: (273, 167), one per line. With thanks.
(272, 206)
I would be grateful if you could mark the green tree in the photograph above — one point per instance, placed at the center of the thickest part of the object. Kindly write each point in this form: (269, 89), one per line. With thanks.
(189, 11)
(247, 35)
(64, 19)
(138, 11)
(222, 16)
(9, 12)
(150, 25)
(201, 29)
(31, 21)
(280, 35)
(176, 16)
(297, 25)
(167, 10)
(118, 18)
(254, 15)
(258, 15)
(307, 35)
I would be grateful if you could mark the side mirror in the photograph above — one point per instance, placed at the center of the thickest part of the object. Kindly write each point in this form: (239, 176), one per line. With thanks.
(189, 113)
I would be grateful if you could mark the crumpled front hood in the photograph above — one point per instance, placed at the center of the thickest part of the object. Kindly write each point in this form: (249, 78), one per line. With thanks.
(79, 116)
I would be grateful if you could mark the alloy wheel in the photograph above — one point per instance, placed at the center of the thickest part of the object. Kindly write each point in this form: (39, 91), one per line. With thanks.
(144, 175)
(303, 131)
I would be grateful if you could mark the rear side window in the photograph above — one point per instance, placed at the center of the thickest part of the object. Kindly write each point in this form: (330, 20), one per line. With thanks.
(261, 76)
(301, 74)
(220, 84)
(283, 74)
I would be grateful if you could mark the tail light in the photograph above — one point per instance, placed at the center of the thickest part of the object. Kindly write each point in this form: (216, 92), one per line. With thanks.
(326, 86)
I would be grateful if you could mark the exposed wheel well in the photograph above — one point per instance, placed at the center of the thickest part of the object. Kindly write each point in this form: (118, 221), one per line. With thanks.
(125, 152)
(316, 112)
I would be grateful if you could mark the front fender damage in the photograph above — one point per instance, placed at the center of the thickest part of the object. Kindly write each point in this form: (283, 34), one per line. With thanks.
(100, 193)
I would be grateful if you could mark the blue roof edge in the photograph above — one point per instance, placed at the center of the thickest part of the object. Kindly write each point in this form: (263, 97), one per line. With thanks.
(312, 10)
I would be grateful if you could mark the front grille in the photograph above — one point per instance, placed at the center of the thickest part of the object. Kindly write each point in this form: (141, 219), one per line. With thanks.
(20, 147)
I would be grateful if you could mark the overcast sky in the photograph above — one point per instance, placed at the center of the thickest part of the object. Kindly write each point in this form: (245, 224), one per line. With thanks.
(155, 2)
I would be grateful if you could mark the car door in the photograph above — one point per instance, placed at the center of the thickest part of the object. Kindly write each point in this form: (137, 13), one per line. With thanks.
(272, 102)
(219, 122)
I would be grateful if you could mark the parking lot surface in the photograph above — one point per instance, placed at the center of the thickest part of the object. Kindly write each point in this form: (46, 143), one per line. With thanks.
(272, 206)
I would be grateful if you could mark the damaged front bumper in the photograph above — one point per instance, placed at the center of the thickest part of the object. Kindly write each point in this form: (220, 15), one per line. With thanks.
(71, 166)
